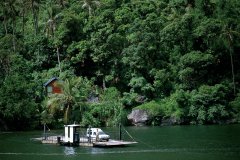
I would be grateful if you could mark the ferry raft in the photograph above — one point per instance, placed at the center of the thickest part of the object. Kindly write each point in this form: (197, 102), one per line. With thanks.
(94, 137)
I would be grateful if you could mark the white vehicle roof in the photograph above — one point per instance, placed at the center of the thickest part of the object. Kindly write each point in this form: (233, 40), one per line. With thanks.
(95, 129)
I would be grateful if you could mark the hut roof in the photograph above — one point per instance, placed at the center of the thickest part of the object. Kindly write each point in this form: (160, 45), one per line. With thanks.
(72, 125)
(49, 81)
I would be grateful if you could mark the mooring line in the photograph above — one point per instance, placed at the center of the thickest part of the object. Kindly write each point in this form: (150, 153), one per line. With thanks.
(129, 134)
(151, 146)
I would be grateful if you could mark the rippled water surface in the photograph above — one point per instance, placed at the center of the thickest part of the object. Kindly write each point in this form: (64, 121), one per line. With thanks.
(166, 143)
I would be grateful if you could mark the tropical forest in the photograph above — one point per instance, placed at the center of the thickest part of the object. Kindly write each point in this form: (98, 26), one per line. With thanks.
(177, 60)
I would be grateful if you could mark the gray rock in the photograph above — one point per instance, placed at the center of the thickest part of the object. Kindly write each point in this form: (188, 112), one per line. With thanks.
(138, 117)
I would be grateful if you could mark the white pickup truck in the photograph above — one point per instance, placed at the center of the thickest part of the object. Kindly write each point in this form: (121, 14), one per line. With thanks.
(96, 134)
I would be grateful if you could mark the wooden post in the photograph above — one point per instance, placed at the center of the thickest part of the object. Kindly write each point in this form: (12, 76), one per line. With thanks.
(89, 136)
(120, 131)
(44, 131)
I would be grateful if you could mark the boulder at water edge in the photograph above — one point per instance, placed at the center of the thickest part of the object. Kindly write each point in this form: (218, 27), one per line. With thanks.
(138, 117)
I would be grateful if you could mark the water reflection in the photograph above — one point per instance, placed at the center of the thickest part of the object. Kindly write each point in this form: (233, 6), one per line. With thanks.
(69, 151)
(97, 150)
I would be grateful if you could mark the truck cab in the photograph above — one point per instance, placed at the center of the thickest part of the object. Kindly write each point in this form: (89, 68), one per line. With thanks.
(96, 134)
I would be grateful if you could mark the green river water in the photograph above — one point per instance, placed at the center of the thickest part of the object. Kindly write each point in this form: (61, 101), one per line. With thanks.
(216, 142)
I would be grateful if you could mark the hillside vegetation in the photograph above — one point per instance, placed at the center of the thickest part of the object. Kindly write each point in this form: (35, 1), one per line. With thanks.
(174, 58)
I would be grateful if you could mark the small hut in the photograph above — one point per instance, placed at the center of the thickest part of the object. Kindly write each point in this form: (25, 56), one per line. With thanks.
(71, 134)
(52, 86)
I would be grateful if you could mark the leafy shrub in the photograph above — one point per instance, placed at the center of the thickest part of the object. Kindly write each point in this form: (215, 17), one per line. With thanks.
(164, 108)
(208, 104)
(108, 112)
(235, 105)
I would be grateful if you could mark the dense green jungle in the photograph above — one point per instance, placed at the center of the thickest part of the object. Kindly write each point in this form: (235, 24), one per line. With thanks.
(173, 58)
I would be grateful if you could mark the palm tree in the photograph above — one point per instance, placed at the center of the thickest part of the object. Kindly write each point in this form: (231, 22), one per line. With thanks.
(5, 14)
(9, 12)
(24, 7)
(14, 13)
(74, 94)
(35, 5)
(90, 5)
(228, 34)
(63, 3)
(62, 102)
(51, 24)
(227, 13)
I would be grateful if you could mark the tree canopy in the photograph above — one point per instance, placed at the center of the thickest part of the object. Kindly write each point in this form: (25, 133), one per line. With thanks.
(176, 58)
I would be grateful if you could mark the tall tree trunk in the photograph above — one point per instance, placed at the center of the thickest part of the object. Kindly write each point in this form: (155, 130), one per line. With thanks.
(36, 24)
(90, 11)
(104, 83)
(232, 62)
(13, 35)
(61, 3)
(5, 25)
(35, 18)
(67, 114)
(232, 67)
(59, 62)
(23, 22)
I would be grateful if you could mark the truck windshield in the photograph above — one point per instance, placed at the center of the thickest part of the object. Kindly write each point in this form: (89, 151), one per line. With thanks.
(101, 133)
